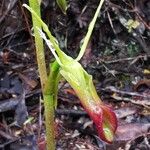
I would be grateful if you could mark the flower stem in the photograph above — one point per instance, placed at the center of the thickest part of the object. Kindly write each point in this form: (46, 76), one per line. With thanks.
(49, 83)
(34, 4)
(49, 122)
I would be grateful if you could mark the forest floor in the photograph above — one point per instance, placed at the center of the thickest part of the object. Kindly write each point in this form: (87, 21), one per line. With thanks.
(118, 57)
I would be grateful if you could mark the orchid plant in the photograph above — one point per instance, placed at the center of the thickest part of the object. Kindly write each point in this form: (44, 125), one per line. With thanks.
(70, 69)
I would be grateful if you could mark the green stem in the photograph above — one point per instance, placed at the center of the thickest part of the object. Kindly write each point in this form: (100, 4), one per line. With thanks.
(34, 4)
(49, 121)
(49, 84)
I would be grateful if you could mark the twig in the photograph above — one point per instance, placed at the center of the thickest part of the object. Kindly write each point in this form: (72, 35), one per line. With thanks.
(26, 22)
(113, 89)
(21, 44)
(70, 112)
(110, 21)
(9, 104)
(8, 10)
(125, 59)
(10, 34)
(140, 103)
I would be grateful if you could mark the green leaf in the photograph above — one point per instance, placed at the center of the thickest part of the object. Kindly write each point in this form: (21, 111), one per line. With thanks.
(62, 5)
(90, 29)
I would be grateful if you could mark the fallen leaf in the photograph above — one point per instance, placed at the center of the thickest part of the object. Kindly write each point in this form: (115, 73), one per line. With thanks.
(131, 131)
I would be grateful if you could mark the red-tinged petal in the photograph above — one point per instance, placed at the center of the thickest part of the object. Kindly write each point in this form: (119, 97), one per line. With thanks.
(105, 121)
